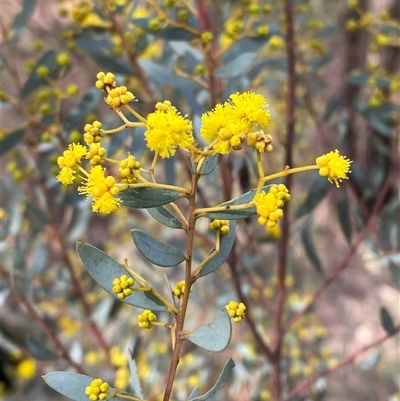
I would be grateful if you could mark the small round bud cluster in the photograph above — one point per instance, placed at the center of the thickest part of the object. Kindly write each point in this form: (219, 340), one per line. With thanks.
(96, 154)
(232, 29)
(236, 311)
(179, 289)
(262, 142)
(254, 9)
(263, 30)
(183, 15)
(169, 3)
(334, 166)
(220, 225)
(128, 169)
(146, 318)
(269, 205)
(154, 24)
(72, 89)
(80, 11)
(352, 4)
(276, 42)
(122, 286)
(105, 80)
(97, 390)
(43, 71)
(63, 59)
(93, 132)
(352, 25)
(200, 69)
(119, 96)
(206, 37)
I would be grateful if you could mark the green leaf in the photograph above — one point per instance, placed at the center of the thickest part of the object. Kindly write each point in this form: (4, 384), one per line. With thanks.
(236, 66)
(308, 243)
(21, 20)
(223, 377)
(237, 214)
(135, 380)
(395, 272)
(177, 34)
(209, 164)
(216, 336)
(70, 384)
(344, 217)
(143, 198)
(38, 351)
(84, 107)
(164, 216)
(387, 321)
(225, 246)
(358, 79)
(156, 252)
(11, 140)
(105, 269)
(317, 192)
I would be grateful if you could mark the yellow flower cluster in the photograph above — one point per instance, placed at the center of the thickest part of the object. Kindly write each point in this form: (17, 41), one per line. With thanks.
(146, 318)
(93, 132)
(220, 225)
(105, 80)
(102, 189)
(69, 161)
(261, 141)
(119, 96)
(227, 126)
(122, 286)
(334, 166)
(179, 289)
(236, 311)
(97, 390)
(128, 169)
(269, 205)
(167, 129)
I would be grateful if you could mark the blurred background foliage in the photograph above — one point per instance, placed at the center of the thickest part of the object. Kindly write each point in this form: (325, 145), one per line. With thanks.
(54, 317)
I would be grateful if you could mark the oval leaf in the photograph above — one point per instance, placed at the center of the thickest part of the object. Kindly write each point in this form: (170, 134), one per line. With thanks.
(225, 247)
(143, 198)
(38, 351)
(237, 214)
(236, 66)
(214, 337)
(209, 164)
(104, 269)
(387, 321)
(308, 243)
(223, 377)
(70, 384)
(11, 140)
(156, 252)
(164, 216)
(344, 217)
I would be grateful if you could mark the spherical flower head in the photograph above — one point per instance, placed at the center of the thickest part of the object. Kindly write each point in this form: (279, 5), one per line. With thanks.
(26, 369)
(269, 205)
(97, 390)
(43, 71)
(122, 286)
(118, 97)
(69, 161)
(103, 191)
(167, 129)
(221, 127)
(276, 42)
(334, 166)
(236, 310)
(220, 225)
(146, 318)
(252, 108)
(206, 37)
(105, 80)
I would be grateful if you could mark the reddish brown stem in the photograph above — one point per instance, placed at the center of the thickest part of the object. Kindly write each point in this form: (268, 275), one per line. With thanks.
(62, 351)
(277, 332)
